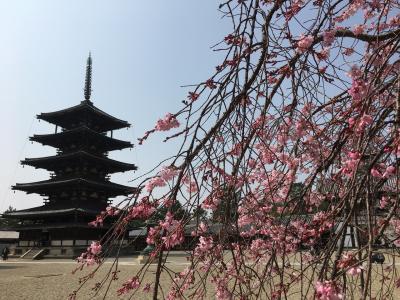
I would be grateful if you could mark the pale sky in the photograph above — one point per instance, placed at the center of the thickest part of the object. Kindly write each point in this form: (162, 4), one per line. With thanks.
(143, 52)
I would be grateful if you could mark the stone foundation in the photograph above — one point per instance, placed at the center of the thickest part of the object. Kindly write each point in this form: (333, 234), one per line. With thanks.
(50, 252)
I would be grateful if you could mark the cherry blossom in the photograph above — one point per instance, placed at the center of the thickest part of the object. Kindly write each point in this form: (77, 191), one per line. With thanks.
(358, 29)
(154, 182)
(142, 210)
(169, 232)
(131, 284)
(328, 37)
(98, 222)
(358, 90)
(91, 256)
(95, 248)
(192, 97)
(167, 123)
(327, 290)
(291, 147)
(354, 271)
(390, 171)
(304, 43)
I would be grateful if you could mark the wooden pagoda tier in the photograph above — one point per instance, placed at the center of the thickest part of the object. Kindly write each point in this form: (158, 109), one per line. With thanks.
(80, 160)
(85, 114)
(43, 211)
(48, 187)
(70, 139)
(79, 187)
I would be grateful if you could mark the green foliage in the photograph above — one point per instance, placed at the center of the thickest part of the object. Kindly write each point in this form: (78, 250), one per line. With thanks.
(296, 190)
(176, 208)
(226, 211)
(10, 209)
(6, 223)
(199, 213)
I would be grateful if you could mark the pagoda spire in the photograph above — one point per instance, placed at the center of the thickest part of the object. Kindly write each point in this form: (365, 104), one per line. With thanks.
(88, 78)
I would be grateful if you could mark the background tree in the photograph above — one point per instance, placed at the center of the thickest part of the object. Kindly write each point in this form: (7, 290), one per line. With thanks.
(8, 223)
(175, 208)
(199, 214)
(226, 211)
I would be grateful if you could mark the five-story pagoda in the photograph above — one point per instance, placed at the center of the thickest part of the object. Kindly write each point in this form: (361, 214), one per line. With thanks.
(79, 187)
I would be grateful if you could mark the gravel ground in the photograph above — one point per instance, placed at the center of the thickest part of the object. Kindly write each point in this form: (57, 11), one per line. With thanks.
(49, 280)
(53, 279)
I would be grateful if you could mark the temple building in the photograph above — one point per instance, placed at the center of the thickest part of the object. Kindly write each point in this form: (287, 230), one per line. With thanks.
(79, 187)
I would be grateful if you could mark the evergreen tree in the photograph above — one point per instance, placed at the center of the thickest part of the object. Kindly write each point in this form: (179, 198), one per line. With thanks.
(7, 223)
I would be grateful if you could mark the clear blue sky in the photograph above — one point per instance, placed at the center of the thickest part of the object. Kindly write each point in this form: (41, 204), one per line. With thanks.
(143, 51)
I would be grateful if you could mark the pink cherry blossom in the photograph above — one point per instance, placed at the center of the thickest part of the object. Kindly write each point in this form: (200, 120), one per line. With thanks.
(358, 90)
(98, 222)
(173, 233)
(355, 271)
(323, 54)
(294, 9)
(146, 288)
(328, 37)
(204, 246)
(112, 211)
(384, 202)
(168, 173)
(142, 210)
(351, 122)
(358, 29)
(327, 290)
(211, 84)
(95, 248)
(193, 96)
(296, 130)
(354, 155)
(304, 43)
(364, 121)
(212, 201)
(167, 123)
(355, 72)
(376, 173)
(390, 171)
(91, 256)
(154, 182)
(349, 165)
(131, 284)
(153, 235)
(201, 229)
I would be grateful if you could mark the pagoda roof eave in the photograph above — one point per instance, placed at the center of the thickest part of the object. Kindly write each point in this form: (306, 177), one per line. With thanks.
(41, 187)
(57, 139)
(47, 212)
(61, 117)
(58, 226)
(48, 162)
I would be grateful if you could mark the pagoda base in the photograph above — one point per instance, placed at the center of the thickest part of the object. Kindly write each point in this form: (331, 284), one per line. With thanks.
(68, 252)
(65, 252)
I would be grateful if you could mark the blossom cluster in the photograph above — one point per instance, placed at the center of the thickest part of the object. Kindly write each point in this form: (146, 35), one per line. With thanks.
(328, 290)
(301, 131)
(110, 211)
(91, 256)
(166, 174)
(169, 232)
(167, 123)
(131, 284)
(143, 210)
(304, 43)
(349, 262)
